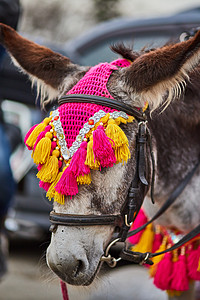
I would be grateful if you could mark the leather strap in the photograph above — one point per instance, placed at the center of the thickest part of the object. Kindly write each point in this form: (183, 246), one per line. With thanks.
(84, 220)
(112, 103)
(137, 188)
(140, 258)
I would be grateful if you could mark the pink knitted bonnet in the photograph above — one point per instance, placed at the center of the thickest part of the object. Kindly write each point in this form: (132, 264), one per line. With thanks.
(79, 137)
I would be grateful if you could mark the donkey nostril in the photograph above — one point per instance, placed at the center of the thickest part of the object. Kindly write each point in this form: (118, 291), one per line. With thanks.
(79, 268)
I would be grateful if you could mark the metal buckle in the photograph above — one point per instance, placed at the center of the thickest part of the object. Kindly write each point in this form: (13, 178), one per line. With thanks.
(145, 259)
(143, 123)
(126, 221)
(111, 261)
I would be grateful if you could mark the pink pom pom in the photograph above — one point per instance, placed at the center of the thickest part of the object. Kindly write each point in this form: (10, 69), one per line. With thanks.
(180, 281)
(77, 164)
(157, 242)
(27, 136)
(44, 185)
(193, 263)
(163, 274)
(67, 185)
(140, 220)
(102, 148)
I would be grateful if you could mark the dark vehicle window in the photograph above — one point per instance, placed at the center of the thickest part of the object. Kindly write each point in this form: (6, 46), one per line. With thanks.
(100, 51)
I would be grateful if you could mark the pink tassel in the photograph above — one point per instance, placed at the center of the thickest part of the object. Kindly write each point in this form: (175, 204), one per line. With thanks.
(27, 136)
(102, 148)
(77, 164)
(67, 185)
(193, 263)
(180, 281)
(44, 185)
(140, 220)
(41, 135)
(163, 274)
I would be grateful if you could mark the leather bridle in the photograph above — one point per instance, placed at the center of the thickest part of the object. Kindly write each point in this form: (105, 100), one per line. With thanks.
(136, 193)
(133, 201)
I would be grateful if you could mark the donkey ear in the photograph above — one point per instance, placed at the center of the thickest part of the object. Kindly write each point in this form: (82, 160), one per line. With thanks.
(161, 74)
(44, 66)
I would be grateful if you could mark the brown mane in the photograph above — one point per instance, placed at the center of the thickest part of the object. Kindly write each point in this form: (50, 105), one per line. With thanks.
(125, 51)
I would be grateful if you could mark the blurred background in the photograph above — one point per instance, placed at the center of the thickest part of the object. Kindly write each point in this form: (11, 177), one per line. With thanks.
(60, 20)
(75, 29)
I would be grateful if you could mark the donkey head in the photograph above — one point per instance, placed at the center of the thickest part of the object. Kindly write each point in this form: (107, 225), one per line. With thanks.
(158, 77)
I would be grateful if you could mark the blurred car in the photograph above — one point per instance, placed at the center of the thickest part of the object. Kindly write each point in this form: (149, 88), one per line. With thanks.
(93, 46)
(29, 216)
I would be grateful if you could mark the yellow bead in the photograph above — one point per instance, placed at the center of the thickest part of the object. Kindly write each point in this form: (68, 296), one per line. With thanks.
(56, 153)
(49, 135)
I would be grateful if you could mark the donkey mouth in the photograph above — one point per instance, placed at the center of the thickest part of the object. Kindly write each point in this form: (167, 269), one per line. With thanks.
(81, 280)
(77, 277)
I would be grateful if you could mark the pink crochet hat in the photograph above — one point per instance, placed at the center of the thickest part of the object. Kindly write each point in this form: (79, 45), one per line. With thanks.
(83, 135)
(93, 83)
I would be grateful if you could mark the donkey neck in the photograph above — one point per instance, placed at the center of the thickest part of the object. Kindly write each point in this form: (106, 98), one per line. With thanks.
(177, 144)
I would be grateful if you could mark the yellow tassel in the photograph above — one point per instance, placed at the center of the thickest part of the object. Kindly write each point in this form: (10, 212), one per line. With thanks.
(175, 255)
(85, 179)
(115, 133)
(59, 198)
(145, 106)
(157, 259)
(56, 153)
(198, 268)
(90, 157)
(104, 120)
(42, 151)
(146, 241)
(122, 153)
(173, 293)
(51, 191)
(36, 131)
(120, 120)
(49, 170)
(130, 119)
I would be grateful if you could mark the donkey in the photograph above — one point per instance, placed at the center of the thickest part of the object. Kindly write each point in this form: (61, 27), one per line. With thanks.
(168, 79)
